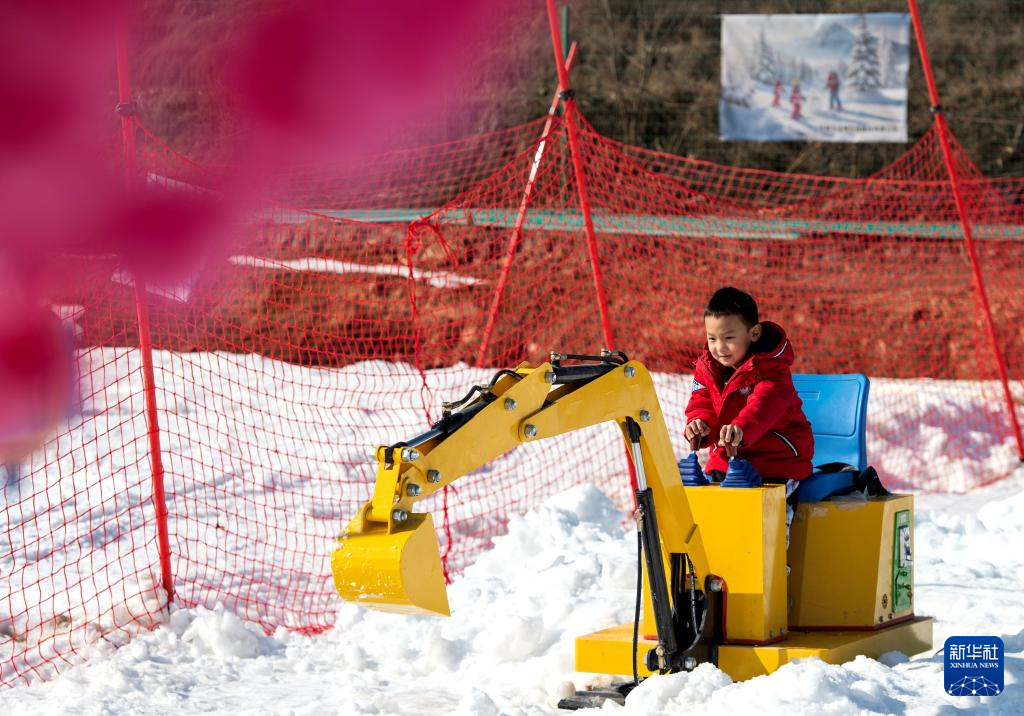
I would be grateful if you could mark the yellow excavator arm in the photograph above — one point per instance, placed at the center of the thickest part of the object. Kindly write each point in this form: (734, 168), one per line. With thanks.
(388, 557)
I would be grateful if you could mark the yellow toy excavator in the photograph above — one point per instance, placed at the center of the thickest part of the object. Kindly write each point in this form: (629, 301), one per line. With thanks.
(715, 580)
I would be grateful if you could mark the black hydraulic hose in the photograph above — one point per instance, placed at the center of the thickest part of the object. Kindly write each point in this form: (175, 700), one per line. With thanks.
(503, 371)
(565, 375)
(481, 389)
(693, 597)
(616, 357)
(636, 612)
(464, 399)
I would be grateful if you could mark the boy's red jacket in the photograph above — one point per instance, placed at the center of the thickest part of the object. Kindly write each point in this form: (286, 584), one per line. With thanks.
(760, 398)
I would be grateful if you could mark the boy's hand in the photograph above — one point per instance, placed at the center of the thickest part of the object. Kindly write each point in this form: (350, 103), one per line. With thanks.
(730, 435)
(696, 429)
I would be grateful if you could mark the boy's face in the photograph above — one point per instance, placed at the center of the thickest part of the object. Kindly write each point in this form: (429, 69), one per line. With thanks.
(729, 338)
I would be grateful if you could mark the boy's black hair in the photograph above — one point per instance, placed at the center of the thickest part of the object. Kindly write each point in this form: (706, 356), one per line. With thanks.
(729, 301)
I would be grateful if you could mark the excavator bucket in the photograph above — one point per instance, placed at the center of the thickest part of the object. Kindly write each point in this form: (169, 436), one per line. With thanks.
(397, 571)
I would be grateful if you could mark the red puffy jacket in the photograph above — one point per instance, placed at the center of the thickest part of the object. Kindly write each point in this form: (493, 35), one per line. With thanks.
(759, 398)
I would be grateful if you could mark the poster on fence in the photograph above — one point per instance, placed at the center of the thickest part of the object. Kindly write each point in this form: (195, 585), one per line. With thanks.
(816, 78)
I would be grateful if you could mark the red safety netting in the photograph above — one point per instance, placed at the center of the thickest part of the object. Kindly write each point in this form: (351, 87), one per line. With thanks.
(867, 276)
(319, 332)
(79, 563)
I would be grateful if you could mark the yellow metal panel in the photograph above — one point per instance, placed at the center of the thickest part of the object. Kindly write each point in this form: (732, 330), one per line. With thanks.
(397, 571)
(490, 434)
(628, 391)
(383, 488)
(745, 533)
(746, 662)
(610, 651)
(832, 647)
(841, 552)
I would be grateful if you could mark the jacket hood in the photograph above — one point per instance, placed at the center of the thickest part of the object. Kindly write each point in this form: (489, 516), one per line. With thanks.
(773, 345)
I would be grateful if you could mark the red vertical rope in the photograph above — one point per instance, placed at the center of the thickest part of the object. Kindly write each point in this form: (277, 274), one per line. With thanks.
(446, 527)
(581, 187)
(412, 247)
(517, 229)
(979, 284)
(124, 104)
(581, 179)
(126, 111)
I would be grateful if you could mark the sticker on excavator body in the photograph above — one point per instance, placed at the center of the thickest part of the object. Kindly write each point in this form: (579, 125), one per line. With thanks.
(902, 563)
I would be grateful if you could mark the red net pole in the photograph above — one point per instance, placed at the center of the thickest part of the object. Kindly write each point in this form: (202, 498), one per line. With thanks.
(581, 185)
(581, 180)
(153, 433)
(979, 285)
(517, 229)
(125, 108)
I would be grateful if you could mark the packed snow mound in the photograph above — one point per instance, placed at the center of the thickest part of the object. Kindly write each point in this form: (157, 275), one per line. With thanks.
(862, 686)
(564, 569)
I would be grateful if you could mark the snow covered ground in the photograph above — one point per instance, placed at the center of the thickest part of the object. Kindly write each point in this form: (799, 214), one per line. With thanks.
(564, 569)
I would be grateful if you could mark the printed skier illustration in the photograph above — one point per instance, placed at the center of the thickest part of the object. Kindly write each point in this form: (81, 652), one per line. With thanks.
(823, 78)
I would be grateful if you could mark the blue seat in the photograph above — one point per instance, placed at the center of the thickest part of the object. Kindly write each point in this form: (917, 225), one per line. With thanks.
(837, 408)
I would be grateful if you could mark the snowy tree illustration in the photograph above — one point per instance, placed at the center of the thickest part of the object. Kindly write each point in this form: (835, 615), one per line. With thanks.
(736, 89)
(865, 72)
(891, 59)
(765, 67)
(885, 54)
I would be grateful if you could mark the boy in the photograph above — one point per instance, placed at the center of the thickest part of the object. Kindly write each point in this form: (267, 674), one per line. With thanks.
(743, 396)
